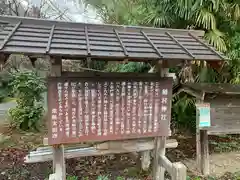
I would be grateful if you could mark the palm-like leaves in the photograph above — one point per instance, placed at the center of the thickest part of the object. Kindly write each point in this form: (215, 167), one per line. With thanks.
(201, 14)
(206, 19)
(216, 38)
(234, 9)
(158, 17)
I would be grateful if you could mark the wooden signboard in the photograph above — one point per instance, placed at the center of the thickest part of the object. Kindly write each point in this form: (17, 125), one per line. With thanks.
(96, 109)
(224, 113)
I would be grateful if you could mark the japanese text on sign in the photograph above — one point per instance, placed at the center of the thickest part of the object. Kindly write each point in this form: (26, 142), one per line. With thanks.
(85, 110)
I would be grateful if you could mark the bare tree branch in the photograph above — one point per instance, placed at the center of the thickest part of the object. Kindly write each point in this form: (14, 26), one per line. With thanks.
(62, 14)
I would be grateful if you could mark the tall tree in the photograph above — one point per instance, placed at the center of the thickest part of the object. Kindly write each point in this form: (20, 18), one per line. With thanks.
(213, 16)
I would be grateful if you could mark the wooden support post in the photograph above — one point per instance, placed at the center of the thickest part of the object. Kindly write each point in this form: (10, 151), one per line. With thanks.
(179, 171)
(145, 160)
(198, 143)
(33, 61)
(59, 162)
(146, 155)
(52, 177)
(204, 153)
(158, 169)
(1, 65)
(3, 59)
(53, 160)
(160, 145)
(58, 151)
(198, 136)
(56, 69)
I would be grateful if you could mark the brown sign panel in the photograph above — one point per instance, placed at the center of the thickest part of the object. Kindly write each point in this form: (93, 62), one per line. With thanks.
(108, 108)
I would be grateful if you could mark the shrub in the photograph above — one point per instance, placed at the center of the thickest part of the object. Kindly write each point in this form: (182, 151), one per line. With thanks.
(4, 87)
(28, 88)
(183, 112)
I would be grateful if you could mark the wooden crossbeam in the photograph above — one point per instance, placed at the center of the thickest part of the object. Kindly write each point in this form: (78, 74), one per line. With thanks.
(10, 35)
(205, 45)
(152, 44)
(87, 41)
(180, 44)
(50, 39)
(121, 43)
(111, 147)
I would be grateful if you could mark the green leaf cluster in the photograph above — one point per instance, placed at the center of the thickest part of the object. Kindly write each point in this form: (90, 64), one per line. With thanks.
(28, 88)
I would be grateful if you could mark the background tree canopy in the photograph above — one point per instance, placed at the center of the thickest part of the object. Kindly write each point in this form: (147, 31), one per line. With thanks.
(218, 18)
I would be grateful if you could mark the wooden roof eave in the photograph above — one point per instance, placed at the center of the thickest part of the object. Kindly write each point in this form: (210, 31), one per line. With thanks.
(31, 36)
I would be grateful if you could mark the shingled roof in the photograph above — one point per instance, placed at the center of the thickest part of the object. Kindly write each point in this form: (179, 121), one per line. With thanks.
(109, 42)
(215, 88)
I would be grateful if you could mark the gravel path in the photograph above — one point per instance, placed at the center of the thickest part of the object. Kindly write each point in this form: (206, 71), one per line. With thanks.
(4, 107)
(219, 163)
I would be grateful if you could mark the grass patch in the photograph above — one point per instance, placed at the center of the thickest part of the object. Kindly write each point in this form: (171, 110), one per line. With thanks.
(225, 143)
(8, 99)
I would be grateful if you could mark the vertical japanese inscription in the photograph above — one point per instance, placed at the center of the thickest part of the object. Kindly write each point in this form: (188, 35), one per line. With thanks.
(128, 107)
(145, 108)
(105, 110)
(111, 108)
(116, 109)
(74, 109)
(151, 107)
(99, 109)
(140, 109)
(65, 106)
(86, 117)
(164, 104)
(54, 123)
(156, 107)
(93, 107)
(80, 109)
(134, 107)
(60, 108)
(123, 107)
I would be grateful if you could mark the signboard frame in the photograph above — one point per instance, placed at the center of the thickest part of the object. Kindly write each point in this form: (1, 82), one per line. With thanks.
(108, 77)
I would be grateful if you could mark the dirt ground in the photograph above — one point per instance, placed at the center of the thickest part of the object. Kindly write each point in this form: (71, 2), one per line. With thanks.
(219, 163)
(14, 146)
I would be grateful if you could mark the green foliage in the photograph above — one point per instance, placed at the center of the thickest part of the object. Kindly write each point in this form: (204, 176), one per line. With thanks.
(129, 67)
(230, 143)
(3, 94)
(28, 88)
(216, 17)
(120, 178)
(85, 178)
(106, 177)
(234, 54)
(4, 87)
(226, 176)
(72, 178)
(184, 112)
(102, 177)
